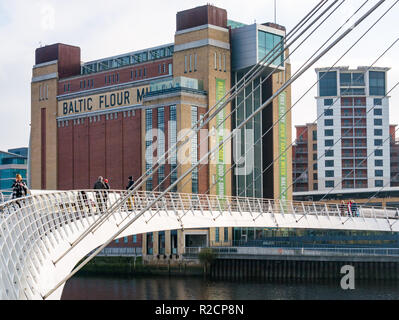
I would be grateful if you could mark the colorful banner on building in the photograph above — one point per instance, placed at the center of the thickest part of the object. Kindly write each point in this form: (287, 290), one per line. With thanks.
(220, 166)
(282, 127)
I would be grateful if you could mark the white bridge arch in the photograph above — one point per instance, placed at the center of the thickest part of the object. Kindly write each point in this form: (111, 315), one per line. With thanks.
(42, 237)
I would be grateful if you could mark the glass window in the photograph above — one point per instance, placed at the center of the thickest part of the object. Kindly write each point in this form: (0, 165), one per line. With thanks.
(314, 156)
(315, 166)
(217, 236)
(378, 122)
(358, 79)
(226, 234)
(379, 173)
(329, 184)
(148, 143)
(377, 83)
(378, 102)
(378, 132)
(314, 147)
(329, 143)
(378, 112)
(314, 133)
(378, 153)
(330, 153)
(329, 163)
(379, 183)
(330, 174)
(378, 163)
(266, 43)
(329, 122)
(328, 102)
(352, 92)
(329, 112)
(378, 142)
(345, 79)
(328, 83)
(328, 133)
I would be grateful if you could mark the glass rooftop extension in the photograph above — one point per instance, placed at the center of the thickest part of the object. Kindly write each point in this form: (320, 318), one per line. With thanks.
(159, 87)
(178, 82)
(128, 59)
(235, 24)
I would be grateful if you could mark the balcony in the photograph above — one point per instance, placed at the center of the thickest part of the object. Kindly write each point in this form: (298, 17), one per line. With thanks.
(300, 160)
(301, 151)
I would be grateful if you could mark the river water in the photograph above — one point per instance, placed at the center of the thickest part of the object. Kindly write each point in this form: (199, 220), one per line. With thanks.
(196, 288)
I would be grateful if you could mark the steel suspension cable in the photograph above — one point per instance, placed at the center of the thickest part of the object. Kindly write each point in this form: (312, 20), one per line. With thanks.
(287, 148)
(225, 140)
(256, 74)
(252, 145)
(136, 187)
(338, 97)
(235, 89)
(201, 164)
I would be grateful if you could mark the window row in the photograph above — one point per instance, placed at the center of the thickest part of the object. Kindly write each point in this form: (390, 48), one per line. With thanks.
(89, 83)
(43, 92)
(219, 63)
(97, 118)
(126, 239)
(191, 63)
(114, 78)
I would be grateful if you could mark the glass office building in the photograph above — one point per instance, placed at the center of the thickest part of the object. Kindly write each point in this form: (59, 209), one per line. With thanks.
(255, 145)
(12, 163)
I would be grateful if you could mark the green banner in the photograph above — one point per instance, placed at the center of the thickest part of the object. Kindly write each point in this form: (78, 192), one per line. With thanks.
(282, 126)
(220, 166)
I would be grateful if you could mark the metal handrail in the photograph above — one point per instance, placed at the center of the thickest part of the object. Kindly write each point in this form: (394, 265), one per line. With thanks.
(295, 251)
(32, 226)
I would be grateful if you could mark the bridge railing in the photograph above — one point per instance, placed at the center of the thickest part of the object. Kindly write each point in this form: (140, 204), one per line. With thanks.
(297, 251)
(30, 227)
(196, 202)
(5, 195)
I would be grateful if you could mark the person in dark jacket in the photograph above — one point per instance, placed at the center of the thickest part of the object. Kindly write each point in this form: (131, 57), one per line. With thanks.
(19, 189)
(130, 183)
(100, 185)
(129, 186)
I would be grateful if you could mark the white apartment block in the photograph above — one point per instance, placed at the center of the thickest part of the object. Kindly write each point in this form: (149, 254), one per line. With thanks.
(353, 144)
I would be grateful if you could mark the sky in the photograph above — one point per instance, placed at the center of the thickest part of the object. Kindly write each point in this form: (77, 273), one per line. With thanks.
(106, 28)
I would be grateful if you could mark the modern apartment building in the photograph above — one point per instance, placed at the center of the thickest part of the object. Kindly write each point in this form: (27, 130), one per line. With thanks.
(353, 144)
(304, 159)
